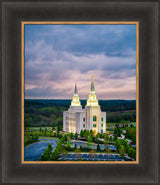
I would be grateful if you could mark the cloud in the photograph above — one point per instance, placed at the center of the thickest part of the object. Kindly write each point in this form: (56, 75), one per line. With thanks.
(85, 39)
(51, 72)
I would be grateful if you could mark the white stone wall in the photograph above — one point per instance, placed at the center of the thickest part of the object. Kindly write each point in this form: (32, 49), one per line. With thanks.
(103, 114)
(73, 119)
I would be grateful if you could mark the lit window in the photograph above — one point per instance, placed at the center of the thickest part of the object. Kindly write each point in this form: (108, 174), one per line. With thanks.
(94, 125)
(83, 125)
(94, 118)
(83, 119)
(102, 125)
(101, 118)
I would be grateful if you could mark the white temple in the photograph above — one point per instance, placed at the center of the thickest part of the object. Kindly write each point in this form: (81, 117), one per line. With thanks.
(90, 118)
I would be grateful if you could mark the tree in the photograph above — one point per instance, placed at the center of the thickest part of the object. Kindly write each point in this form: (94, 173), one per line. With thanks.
(110, 138)
(46, 155)
(81, 148)
(58, 130)
(118, 144)
(117, 131)
(122, 151)
(124, 143)
(64, 153)
(50, 147)
(106, 138)
(68, 145)
(60, 136)
(98, 148)
(115, 137)
(65, 137)
(82, 133)
(86, 133)
(89, 141)
(76, 136)
(35, 137)
(108, 150)
(75, 146)
(71, 135)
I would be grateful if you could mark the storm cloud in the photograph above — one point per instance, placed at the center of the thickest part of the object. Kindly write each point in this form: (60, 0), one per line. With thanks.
(58, 56)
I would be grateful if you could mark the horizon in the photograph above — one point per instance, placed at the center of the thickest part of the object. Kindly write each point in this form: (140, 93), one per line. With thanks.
(58, 56)
(79, 99)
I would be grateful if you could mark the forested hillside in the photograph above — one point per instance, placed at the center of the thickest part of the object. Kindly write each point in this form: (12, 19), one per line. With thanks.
(50, 112)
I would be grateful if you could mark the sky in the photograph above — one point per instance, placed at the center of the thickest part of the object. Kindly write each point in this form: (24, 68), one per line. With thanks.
(58, 56)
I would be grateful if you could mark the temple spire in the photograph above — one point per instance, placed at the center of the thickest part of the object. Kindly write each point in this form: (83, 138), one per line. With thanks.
(92, 100)
(75, 90)
(75, 100)
(92, 86)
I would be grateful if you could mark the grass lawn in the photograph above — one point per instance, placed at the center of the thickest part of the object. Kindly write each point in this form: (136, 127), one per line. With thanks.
(38, 128)
(43, 137)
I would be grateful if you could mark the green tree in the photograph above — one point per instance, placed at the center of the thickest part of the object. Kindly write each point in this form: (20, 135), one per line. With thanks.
(98, 148)
(65, 137)
(58, 129)
(71, 135)
(64, 152)
(50, 147)
(86, 133)
(81, 149)
(106, 138)
(82, 133)
(118, 144)
(76, 136)
(89, 141)
(122, 151)
(75, 146)
(68, 145)
(115, 137)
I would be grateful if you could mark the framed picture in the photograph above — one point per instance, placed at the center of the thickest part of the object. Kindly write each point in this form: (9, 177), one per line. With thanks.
(80, 92)
(83, 133)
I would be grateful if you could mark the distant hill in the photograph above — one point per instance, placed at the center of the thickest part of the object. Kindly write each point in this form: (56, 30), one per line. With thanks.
(44, 112)
(106, 105)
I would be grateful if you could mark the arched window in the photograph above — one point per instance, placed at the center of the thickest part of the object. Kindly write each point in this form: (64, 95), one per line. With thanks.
(94, 118)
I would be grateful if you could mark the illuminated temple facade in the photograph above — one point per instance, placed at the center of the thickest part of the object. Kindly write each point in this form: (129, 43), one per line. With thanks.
(90, 118)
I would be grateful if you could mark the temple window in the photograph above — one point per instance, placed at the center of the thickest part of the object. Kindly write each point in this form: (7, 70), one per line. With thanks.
(94, 118)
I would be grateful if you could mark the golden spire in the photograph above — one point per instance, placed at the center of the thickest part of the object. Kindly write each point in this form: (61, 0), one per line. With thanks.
(92, 76)
(92, 100)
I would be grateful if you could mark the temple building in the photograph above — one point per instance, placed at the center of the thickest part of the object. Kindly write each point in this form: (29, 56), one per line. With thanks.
(90, 118)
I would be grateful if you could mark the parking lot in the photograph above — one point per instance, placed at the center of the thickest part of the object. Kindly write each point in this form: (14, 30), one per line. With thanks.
(90, 157)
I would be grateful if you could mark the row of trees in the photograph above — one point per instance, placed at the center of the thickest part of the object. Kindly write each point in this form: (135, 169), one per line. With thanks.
(46, 116)
(123, 148)
(121, 117)
(31, 138)
(57, 150)
(44, 131)
(131, 133)
(48, 155)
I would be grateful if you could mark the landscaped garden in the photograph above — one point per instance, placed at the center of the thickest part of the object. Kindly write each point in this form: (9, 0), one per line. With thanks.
(53, 144)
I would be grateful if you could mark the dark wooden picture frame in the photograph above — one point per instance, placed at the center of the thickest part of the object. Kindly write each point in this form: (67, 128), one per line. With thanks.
(13, 171)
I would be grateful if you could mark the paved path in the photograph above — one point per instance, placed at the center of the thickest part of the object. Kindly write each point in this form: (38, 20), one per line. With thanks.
(34, 151)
